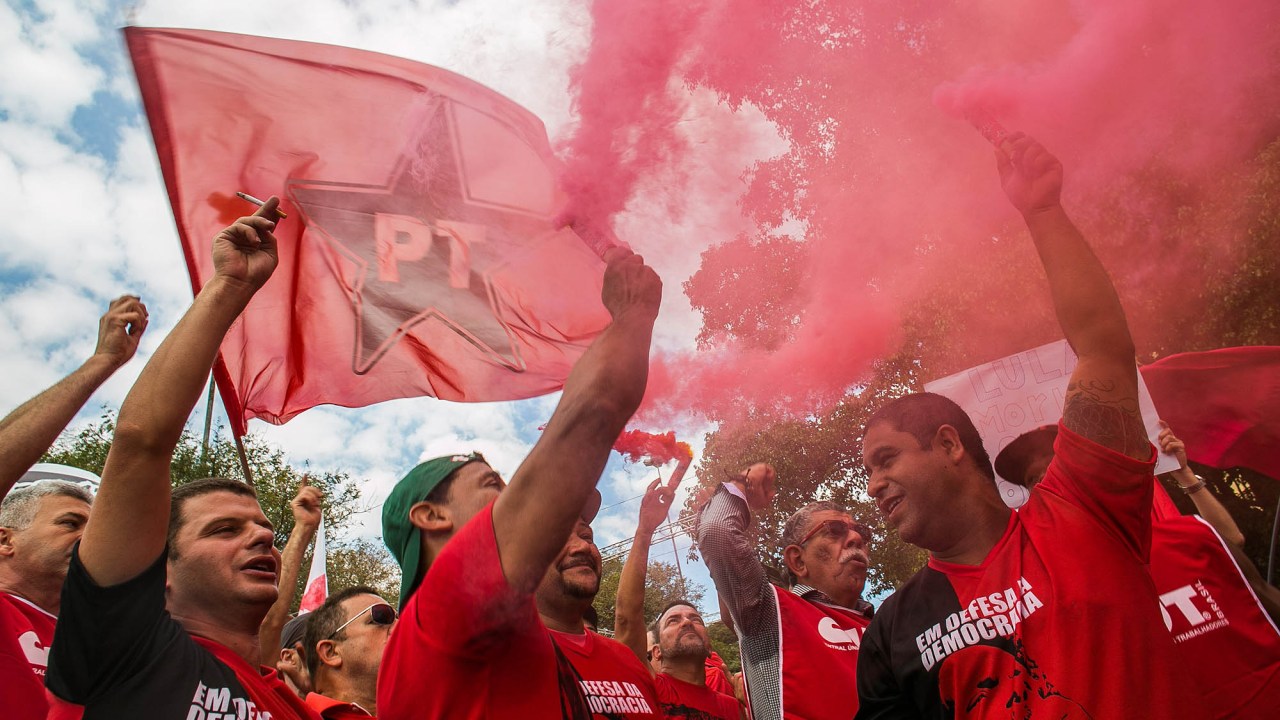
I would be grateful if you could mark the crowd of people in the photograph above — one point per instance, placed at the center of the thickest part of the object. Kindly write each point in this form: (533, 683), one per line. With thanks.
(1095, 599)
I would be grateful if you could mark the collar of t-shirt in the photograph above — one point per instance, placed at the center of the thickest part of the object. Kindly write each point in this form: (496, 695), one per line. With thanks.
(577, 641)
(735, 490)
(979, 569)
(30, 604)
(862, 607)
(324, 704)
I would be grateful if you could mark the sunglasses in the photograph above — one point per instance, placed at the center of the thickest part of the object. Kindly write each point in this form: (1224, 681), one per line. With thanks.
(379, 613)
(838, 530)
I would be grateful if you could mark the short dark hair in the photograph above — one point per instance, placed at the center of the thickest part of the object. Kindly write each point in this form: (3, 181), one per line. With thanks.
(674, 603)
(921, 414)
(325, 620)
(194, 489)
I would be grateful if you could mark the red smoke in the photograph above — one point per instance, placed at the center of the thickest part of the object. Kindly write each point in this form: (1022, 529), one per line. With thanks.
(654, 450)
(897, 201)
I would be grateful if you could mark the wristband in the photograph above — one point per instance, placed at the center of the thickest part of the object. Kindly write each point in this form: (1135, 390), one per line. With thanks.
(1195, 488)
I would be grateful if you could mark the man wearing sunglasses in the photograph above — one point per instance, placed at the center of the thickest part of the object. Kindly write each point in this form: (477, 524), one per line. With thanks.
(799, 645)
(344, 641)
(472, 550)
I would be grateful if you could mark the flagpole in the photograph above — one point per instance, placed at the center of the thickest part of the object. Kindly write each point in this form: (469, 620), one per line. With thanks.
(244, 460)
(208, 427)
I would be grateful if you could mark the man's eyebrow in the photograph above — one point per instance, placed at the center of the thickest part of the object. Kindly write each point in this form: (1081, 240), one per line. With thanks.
(72, 514)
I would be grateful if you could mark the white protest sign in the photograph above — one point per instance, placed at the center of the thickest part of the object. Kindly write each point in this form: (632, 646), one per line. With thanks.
(1025, 391)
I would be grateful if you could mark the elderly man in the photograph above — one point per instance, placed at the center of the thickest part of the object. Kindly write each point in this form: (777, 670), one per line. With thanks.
(39, 524)
(798, 645)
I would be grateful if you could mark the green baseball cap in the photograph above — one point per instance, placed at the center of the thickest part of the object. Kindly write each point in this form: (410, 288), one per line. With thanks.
(401, 536)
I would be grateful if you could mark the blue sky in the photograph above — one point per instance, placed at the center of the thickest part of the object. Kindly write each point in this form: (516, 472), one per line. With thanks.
(88, 219)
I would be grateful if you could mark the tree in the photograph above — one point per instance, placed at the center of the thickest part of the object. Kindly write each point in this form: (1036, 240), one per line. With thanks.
(725, 644)
(663, 585)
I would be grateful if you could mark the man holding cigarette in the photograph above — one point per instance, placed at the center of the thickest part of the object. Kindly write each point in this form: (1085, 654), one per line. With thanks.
(168, 587)
(472, 550)
(1047, 611)
(799, 644)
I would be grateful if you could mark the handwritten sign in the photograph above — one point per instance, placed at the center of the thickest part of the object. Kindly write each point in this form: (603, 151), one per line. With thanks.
(1023, 392)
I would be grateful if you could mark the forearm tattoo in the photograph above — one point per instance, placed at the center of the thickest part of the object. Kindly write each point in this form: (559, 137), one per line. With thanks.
(1092, 410)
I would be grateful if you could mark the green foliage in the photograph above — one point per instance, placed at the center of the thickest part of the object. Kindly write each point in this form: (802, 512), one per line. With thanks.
(663, 584)
(725, 643)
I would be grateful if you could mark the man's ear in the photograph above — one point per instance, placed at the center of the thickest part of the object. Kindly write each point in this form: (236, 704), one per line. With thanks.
(6, 541)
(327, 653)
(430, 517)
(793, 556)
(948, 439)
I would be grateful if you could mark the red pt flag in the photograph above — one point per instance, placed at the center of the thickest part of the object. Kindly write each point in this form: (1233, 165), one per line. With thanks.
(1224, 404)
(419, 256)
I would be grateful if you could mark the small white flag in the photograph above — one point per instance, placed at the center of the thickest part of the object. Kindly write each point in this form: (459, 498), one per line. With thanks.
(318, 581)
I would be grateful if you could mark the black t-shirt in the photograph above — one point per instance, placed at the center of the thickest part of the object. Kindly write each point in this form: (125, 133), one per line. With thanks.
(119, 653)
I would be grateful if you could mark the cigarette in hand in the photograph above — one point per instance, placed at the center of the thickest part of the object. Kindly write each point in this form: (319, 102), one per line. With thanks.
(259, 203)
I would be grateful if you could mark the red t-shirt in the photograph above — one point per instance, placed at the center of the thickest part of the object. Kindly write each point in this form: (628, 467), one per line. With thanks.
(1060, 619)
(685, 701)
(26, 632)
(331, 709)
(616, 684)
(1218, 625)
(468, 646)
(718, 676)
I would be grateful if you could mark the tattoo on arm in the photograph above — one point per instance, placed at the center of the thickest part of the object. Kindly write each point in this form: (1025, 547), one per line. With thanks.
(1095, 411)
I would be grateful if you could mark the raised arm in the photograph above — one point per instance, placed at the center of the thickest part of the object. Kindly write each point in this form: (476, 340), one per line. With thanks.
(306, 520)
(730, 555)
(628, 612)
(126, 532)
(1102, 396)
(536, 513)
(1206, 503)
(29, 432)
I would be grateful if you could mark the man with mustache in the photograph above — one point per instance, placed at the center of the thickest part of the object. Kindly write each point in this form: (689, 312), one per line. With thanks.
(472, 550)
(798, 645)
(614, 682)
(1062, 582)
(678, 657)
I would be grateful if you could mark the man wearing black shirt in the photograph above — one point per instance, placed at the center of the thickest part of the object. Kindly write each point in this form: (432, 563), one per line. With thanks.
(162, 604)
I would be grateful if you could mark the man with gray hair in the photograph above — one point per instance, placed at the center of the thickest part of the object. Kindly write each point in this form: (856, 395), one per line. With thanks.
(40, 523)
(38, 526)
(797, 644)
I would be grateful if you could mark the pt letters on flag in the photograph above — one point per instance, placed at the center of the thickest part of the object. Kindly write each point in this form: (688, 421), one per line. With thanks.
(419, 256)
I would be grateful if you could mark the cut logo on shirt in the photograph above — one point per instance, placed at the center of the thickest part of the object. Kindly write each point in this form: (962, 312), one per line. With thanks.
(37, 654)
(837, 637)
(1197, 606)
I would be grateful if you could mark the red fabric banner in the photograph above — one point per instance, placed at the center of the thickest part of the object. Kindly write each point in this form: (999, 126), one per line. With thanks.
(1223, 404)
(419, 256)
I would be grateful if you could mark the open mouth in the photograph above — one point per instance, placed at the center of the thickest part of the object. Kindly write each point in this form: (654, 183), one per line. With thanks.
(888, 506)
(263, 566)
